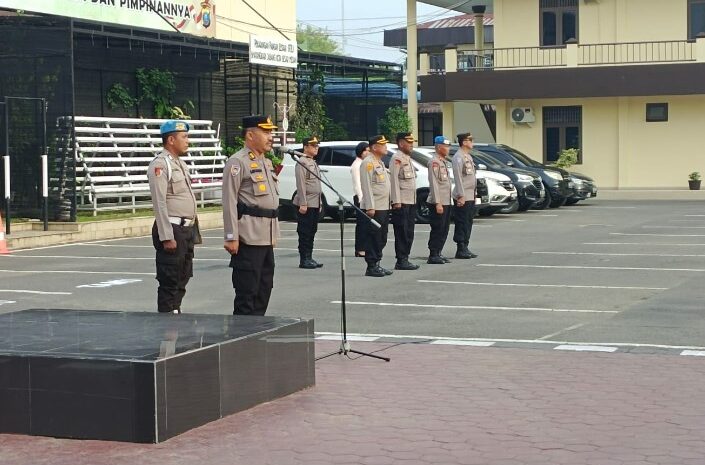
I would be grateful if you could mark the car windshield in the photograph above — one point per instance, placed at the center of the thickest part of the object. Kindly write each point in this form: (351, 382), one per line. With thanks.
(523, 158)
(486, 159)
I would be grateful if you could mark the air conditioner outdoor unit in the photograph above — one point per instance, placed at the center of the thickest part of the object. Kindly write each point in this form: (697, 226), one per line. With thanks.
(523, 115)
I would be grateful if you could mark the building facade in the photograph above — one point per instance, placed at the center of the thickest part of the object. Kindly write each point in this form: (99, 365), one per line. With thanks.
(620, 80)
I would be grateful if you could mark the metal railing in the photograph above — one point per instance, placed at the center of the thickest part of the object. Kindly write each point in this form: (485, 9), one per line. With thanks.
(672, 51)
(626, 53)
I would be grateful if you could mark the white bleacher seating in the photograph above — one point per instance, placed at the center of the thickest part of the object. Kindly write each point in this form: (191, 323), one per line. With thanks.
(112, 156)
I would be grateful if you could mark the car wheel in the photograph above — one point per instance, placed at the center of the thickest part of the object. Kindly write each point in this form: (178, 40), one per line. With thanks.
(546, 202)
(558, 203)
(423, 214)
(487, 212)
(511, 208)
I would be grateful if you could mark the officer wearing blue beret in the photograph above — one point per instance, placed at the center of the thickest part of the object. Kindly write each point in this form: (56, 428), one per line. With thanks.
(175, 227)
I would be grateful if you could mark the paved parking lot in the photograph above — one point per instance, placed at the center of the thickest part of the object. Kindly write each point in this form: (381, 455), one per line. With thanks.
(610, 272)
(610, 290)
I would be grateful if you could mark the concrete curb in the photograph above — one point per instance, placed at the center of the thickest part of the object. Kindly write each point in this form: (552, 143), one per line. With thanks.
(30, 235)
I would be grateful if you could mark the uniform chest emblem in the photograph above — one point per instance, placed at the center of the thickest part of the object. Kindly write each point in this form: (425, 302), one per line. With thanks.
(252, 156)
(259, 177)
(262, 187)
(254, 165)
(381, 177)
(234, 170)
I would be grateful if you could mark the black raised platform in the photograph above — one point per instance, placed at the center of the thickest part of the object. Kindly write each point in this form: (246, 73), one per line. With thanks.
(143, 377)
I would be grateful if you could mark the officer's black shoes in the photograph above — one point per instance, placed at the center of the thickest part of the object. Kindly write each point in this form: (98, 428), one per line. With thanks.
(445, 259)
(308, 264)
(375, 271)
(435, 260)
(406, 265)
(318, 265)
(463, 253)
(472, 254)
(385, 271)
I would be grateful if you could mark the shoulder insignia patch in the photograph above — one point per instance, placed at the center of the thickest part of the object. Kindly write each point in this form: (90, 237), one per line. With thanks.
(397, 161)
(234, 170)
(252, 156)
(370, 167)
(157, 171)
(435, 164)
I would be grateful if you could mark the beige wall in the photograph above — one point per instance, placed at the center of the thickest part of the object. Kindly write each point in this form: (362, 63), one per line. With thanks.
(620, 149)
(281, 13)
(606, 21)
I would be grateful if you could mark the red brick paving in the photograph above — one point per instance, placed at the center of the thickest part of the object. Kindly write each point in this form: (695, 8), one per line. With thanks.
(442, 405)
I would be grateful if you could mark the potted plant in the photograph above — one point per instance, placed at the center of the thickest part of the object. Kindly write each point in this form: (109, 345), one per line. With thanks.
(694, 181)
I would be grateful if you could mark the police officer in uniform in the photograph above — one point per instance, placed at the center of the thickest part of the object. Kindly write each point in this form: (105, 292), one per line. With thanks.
(250, 202)
(403, 198)
(174, 204)
(463, 196)
(375, 201)
(439, 201)
(308, 199)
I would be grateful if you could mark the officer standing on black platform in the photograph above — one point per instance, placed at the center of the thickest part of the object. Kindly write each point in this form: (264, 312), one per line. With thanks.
(463, 195)
(439, 200)
(174, 232)
(308, 199)
(375, 201)
(250, 202)
(403, 197)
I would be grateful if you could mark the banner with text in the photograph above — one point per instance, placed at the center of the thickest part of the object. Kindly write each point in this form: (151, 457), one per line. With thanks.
(195, 17)
(273, 52)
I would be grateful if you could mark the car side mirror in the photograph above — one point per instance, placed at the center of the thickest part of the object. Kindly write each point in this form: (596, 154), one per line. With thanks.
(481, 166)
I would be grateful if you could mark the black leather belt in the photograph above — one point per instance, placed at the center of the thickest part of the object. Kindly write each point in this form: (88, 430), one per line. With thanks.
(243, 209)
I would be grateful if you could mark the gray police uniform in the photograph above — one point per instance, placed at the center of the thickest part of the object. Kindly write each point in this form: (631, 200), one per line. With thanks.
(308, 193)
(465, 183)
(376, 188)
(250, 202)
(439, 192)
(403, 186)
(175, 212)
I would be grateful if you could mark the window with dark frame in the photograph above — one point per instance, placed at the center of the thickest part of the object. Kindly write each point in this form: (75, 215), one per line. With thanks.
(558, 21)
(562, 129)
(656, 112)
(696, 18)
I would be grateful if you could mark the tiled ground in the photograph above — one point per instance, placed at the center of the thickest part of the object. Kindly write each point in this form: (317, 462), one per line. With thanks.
(442, 405)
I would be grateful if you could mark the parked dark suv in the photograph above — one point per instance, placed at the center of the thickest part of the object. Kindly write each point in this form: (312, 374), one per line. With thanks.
(559, 186)
(585, 188)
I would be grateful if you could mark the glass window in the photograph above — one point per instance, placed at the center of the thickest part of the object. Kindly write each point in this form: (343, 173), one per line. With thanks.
(696, 18)
(324, 157)
(562, 130)
(559, 21)
(656, 112)
(343, 156)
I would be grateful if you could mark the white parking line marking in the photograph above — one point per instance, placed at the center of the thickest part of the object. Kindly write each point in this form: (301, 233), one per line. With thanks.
(573, 267)
(77, 272)
(673, 227)
(5, 302)
(657, 235)
(315, 250)
(694, 215)
(580, 348)
(642, 243)
(694, 353)
(479, 307)
(564, 330)
(79, 257)
(461, 342)
(543, 215)
(596, 224)
(530, 341)
(337, 337)
(621, 254)
(561, 286)
(22, 291)
(114, 282)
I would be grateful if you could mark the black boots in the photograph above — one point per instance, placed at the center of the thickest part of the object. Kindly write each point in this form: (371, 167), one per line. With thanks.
(435, 259)
(376, 271)
(405, 265)
(308, 263)
(464, 253)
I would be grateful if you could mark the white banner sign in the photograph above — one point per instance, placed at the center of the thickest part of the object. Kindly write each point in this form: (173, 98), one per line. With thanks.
(273, 52)
(188, 16)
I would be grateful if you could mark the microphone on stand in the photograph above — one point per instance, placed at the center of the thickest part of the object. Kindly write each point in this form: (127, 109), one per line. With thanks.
(290, 151)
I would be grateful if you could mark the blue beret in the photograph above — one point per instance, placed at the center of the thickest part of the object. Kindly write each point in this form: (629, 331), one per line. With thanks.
(170, 126)
(441, 140)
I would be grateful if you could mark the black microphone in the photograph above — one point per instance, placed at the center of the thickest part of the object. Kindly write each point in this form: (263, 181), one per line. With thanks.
(290, 151)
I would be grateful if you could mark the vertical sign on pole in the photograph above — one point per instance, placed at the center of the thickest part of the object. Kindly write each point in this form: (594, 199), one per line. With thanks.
(45, 191)
(6, 169)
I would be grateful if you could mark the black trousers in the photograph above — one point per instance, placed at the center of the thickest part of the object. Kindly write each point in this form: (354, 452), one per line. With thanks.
(404, 221)
(306, 228)
(173, 269)
(361, 222)
(463, 217)
(440, 225)
(376, 238)
(253, 278)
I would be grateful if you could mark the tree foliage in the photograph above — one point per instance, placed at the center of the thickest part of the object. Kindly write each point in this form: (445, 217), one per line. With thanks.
(313, 39)
(395, 120)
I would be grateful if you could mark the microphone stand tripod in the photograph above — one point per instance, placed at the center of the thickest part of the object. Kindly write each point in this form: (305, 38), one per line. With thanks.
(345, 348)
